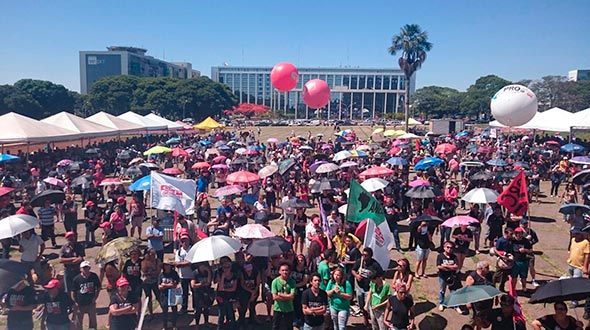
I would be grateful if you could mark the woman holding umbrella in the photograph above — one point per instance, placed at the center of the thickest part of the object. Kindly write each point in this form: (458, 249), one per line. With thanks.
(559, 320)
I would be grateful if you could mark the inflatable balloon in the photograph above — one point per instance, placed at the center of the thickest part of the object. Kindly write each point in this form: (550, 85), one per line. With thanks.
(316, 93)
(284, 76)
(514, 105)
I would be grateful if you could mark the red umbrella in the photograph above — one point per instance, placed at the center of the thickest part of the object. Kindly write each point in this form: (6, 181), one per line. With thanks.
(5, 190)
(242, 177)
(109, 181)
(200, 165)
(179, 152)
(394, 151)
(552, 142)
(445, 148)
(375, 172)
(172, 171)
(484, 150)
(219, 159)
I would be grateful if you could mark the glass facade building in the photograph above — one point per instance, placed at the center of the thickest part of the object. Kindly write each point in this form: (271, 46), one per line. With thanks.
(356, 93)
(127, 61)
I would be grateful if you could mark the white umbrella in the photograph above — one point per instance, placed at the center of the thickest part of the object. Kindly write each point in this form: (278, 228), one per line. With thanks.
(409, 136)
(212, 248)
(481, 196)
(16, 224)
(327, 168)
(374, 184)
(253, 230)
(343, 209)
(364, 147)
(241, 151)
(342, 155)
(349, 164)
(268, 171)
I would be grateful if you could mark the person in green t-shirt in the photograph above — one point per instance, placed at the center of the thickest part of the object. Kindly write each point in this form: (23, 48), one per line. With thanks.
(283, 293)
(379, 293)
(339, 291)
(324, 268)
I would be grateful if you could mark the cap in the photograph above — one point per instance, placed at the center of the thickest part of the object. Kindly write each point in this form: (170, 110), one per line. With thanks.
(184, 237)
(85, 263)
(89, 203)
(70, 234)
(519, 230)
(122, 281)
(120, 199)
(110, 200)
(316, 221)
(53, 283)
(523, 221)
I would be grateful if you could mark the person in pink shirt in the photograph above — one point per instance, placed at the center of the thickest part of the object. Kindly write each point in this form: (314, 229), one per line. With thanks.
(454, 166)
(451, 193)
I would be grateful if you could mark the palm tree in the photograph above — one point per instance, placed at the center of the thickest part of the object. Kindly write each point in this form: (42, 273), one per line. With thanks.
(413, 43)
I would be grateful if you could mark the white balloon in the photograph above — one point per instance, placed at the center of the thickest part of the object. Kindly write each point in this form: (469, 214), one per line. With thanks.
(514, 105)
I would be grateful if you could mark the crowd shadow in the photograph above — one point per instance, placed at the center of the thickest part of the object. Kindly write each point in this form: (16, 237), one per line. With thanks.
(542, 219)
(423, 307)
(433, 322)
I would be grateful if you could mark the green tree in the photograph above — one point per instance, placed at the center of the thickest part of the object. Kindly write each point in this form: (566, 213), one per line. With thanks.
(413, 44)
(436, 101)
(113, 94)
(478, 96)
(551, 91)
(52, 98)
(13, 99)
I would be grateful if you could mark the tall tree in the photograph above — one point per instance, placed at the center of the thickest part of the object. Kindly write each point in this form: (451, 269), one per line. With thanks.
(413, 44)
(52, 98)
(550, 91)
(478, 96)
(13, 99)
(436, 101)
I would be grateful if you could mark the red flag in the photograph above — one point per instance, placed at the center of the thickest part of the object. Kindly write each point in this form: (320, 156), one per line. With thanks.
(515, 197)
(418, 144)
(517, 314)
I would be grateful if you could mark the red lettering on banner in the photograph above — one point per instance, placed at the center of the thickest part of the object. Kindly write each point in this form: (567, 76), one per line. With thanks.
(169, 191)
(515, 197)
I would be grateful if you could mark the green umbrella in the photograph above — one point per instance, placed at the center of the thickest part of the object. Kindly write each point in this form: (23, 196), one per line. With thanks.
(471, 294)
(285, 165)
(157, 150)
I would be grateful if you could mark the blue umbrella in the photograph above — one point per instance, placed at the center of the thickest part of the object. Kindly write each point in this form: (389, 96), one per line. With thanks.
(497, 162)
(8, 158)
(249, 198)
(572, 147)
(144, 183)
(428, 162)
(571, 208)
(204, 142)
(283, 144)
(174, 140)
(397, 161)
(462, 134)
(223, 147)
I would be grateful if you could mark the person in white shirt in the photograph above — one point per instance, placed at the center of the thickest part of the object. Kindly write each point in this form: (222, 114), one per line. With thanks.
(32, 246)
(334, 222)
(184, 270)
(311, 230)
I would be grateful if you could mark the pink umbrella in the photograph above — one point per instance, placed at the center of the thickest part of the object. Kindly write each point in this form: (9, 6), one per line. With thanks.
(251, 152)
(253, 230)
(219, 166)
(419, 182)
(109, 181)
(375, 172)
(64, 162)
(458, 221)
(445, 148)
(327, 146)
(172, 171)
(394, 151)
(54, 182)
(396, 142)
(200, 165)
(272, 140)
(242, 177)
(228, 191)
(179, 152)
(219, 159)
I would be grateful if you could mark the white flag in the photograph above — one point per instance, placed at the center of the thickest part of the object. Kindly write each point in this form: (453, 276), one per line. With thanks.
(173, 194)
(380, 239)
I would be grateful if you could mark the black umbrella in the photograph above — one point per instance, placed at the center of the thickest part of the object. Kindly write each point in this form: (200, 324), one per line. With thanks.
(562, 290)
(75, 166)
(326, 184)
(423, 192)
(93, 151)
(510, 174)
(54, 196)
(268, 247)
(11, 272)
(126, 154)
(134, 171)
(81, 180)
(296, 203)
(428, 218)
(482, 176)
(522, 164)
(581, 177)
(239, 161)
(286, 164)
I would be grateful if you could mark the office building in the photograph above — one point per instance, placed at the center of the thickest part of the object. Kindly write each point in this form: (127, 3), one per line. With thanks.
(356, 93)
(133, 61)
(576, 75)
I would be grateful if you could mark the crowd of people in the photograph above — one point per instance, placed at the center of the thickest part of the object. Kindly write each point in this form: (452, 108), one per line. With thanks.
(328, 275)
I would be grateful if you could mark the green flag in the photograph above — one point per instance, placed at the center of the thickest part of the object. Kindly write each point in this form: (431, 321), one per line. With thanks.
(362, 205)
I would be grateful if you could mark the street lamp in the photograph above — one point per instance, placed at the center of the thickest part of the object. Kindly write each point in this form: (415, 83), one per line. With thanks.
(184, 101)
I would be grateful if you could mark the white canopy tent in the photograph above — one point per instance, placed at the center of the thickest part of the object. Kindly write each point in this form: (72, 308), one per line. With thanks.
(149, 124)
(80, 125)
(171, 125)
(122, 125)
(15, 128)
(554, 119)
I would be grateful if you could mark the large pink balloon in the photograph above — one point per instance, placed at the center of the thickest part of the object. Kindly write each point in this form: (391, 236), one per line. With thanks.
(316, 93)
(284, 76)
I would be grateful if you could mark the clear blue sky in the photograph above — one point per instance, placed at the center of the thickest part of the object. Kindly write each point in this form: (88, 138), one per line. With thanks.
(513, 39)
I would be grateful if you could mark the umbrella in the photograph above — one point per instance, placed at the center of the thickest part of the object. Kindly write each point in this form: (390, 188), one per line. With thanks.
(250, 152)
(497, 162)
(8, 158)
(471, 294)
(16, 224)
(427, 163)
(5, 190)
(54, 196)
(174, 140)
(484, 150)
(204, 143)
(219, 159)
(110, 181)
(582, 160)
(427, 218)
(239, 161)
(481, 196)
(285, 165)
(522, 164)
(176, 152)
(305, 147)
(212, 248)
(150, 166)
(54, 182)
(419, 182)
(81, 180)
(445, 148)
(462, 134)
(125, 154)
(552, 142)
(253, 230)
(172, 171)
(348, 164)
(64, 162)
(423, 192)
(562, 290)
(358, 154)
(377, 131)
(157, 150)
(11, 272)
(116, 249)
(200, 165)
(342, 209)
(572, 147)
(313, 167)
(326, 184)
(364, 147)
(471, 163)
(220, 167)
(342, 155)
(296, 203)
(243, 177)
(93, 151)
(484, 175)
(249, 199)
(394, 151)
(327, 146)
(228, 191)
(327, 168)
(374, 184)
(397, 161)
(377, 171)
(510, 174)
(136, 160)
(241, 151)
(571, 208)
(144, 183)
(458, 221)
(272, 140)
(268, 171)
(581, 177)
(74, 166)
(268, 247)
(135, 171)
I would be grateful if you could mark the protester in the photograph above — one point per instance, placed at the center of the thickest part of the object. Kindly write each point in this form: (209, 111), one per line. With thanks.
(448, 266)
(283, 293)
(57, 304)
(559, 320)
(379, 291)
(20, 301)
(71, 256)
(399, 311)
(315, 304)
(85, 290)
(151, 268)
(168, 280)
(122, 311)
(31, 247)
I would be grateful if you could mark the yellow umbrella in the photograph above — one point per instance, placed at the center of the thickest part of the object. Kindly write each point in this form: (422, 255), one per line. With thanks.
(377, 131)
(157, 150)
(389, 132)
(399, 132)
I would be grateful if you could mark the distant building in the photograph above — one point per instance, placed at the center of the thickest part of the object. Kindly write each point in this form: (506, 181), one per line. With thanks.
(356, 92)
(117, 60)
(576, 75)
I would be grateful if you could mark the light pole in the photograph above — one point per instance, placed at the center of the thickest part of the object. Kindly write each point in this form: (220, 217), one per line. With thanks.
(184, 101)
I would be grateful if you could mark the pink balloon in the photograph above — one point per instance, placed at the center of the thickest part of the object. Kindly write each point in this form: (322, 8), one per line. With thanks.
(284, 76)
(316, 93)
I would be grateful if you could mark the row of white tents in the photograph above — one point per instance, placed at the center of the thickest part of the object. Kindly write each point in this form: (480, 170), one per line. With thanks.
(64, 126)
(555, 119)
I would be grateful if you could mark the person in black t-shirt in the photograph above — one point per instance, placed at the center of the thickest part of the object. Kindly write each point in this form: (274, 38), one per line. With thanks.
(132, 272)
(401, 309)
(20, 301)
(314, 302)
(168, 279)
(85, 289)
(362, 272)
(57, 305)
(521, 247)
(446, 262)
(71, 256)
(559, 320)
(122, 311)
(501, 318)
(463, 236)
